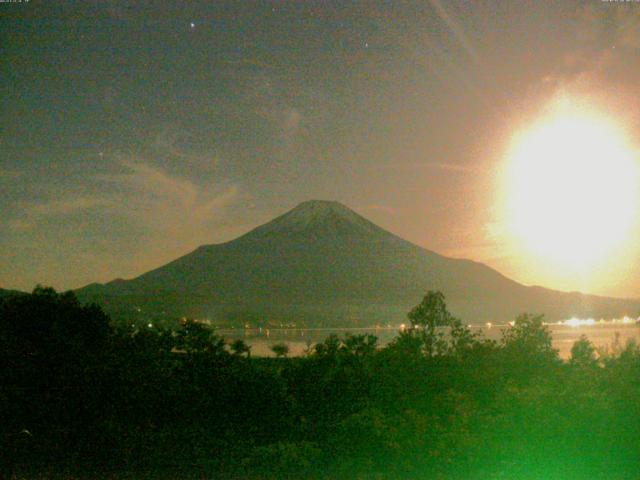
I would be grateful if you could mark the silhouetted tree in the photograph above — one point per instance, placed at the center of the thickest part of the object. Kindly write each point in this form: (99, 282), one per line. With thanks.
(280, 350)
(406, 344)
(527, 348)
(583, 353)
(530, 336)
(239, 347)
(461, 339)
(330, 347)
(78, 397)
(427, 319)
(51, 347)
(360, 345)
(284, 460)
(196, 337)
(431, 312)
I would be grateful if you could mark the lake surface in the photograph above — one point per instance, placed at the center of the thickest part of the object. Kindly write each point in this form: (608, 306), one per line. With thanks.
(300, 339)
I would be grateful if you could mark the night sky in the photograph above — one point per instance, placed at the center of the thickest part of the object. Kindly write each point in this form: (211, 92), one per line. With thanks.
(133, 132)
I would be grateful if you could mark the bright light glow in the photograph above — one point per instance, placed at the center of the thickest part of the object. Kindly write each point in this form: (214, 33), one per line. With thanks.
(571, 187)
(577, 322)
(572, 322)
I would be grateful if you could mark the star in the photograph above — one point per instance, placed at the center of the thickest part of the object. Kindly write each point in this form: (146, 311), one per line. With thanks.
(193, 25)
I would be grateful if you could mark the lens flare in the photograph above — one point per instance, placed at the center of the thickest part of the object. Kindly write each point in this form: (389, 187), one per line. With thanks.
(571, 188)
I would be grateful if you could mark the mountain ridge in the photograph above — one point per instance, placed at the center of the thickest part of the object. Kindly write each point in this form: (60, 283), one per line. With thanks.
(323, 256)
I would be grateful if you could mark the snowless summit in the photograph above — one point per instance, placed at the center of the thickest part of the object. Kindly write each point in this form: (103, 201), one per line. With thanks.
(321, 217)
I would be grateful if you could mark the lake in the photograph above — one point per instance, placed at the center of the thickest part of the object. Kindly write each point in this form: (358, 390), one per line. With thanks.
(299, 339)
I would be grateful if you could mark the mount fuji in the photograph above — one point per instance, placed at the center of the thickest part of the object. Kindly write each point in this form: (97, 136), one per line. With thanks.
(323, 264)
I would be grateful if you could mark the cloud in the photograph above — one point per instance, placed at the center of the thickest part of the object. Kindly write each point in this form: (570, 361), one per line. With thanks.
(68, 206)
(456, 29)
(151, 197)
(601, 70)
(122, 224)
(288, 105)
(449, 167)
(608, 49)
(167, 208)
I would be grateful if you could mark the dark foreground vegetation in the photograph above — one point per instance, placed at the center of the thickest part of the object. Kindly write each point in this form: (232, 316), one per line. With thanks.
(81, 398)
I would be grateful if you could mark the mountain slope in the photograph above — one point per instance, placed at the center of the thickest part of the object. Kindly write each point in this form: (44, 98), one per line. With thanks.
(323, 263)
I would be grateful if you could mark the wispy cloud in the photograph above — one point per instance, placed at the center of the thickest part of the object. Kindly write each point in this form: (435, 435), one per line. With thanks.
(121, 224)
(607, 57)
(170, 210)
(410, 166)
(68, 206)
(154, 198)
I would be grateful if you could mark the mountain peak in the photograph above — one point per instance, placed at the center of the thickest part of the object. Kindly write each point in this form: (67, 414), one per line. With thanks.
(317, 203)
(319, 217)
(320, 207)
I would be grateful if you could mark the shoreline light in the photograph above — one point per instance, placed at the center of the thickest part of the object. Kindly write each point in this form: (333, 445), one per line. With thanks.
(579, 322)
